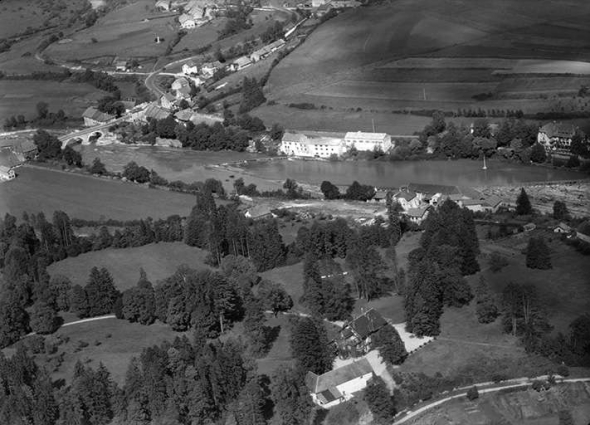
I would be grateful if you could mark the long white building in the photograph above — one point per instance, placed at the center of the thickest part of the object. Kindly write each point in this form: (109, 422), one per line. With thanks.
(363, 141)
(298, 144)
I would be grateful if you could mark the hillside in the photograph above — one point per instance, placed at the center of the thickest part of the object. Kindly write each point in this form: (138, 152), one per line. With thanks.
(447, 54)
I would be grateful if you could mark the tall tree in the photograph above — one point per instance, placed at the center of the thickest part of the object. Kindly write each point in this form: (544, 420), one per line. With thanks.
(367, 267)
(390, 345)
(14, 322)
(291, 398)
(538, 255)
(523, 204)
(380, 401)
(486, 309)
(79, 302)
(101, 292)
(254, 329)
(250, 404)
(274, 297)
(309, 346)
(44, 318)
(560, 211)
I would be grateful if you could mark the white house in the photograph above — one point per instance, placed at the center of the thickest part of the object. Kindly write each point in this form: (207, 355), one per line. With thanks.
(163, 5)
(187, 21)
(297, 144)
(338, 385)
(562, 228)
(209, 68)
(363, 141)
(6, 173)
(190, 68)
(182, 88)
(408, 199)
(241, 63)
(556, 137)
(167, 101)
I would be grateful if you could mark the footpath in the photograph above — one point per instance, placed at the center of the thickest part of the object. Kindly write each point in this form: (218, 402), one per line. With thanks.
(483, 388)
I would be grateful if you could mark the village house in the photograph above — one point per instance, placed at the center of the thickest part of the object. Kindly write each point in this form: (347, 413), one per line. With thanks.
(363, 141)
(343, 4)
(380, 196)
(581, 235)
(187, 22)
(190, 68)
(240, 63)
(209, 69)
(354, 339)
(265, 51)
(6, 173)
(25, 149)
(199, 118)
(563, 228)
(121, 65)
(529, 227)
(182, 88)
(259, 212)
(154, 111)
(318, 3)
(298, 144)
(483, 204)
(339, 385)
(433, 193)
(163, 5)
(407, 199)
(184, 116)
(417, 215)
(93, 116)
(556, 137)
(167, 101)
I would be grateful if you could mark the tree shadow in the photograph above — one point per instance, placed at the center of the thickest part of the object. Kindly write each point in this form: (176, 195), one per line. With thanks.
(271, 333)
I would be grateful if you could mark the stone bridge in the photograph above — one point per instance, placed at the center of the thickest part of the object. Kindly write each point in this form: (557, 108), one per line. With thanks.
(85, 134)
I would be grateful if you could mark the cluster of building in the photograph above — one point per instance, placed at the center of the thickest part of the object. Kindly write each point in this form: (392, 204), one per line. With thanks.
(326, 145)
(13, 154)
(197, 13)
(556, 138)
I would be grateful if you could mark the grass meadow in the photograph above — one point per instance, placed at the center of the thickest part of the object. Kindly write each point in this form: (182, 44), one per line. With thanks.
(158, 260)
(38, 189)
(395, 56)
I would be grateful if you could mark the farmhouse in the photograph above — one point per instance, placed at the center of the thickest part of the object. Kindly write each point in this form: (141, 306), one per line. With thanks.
(259, 212)
(241, 63)
(93, 116)
(6, 173)
(556, 137)
(339, 385)
(482, 204)
(265, 51)
(25, 149)
(562, 228)
(355, 337)
(9, 161)
(198, 118)
(362, 141)
(209, 68)
(167, 101)
(417, 215)
(187, 22)
(380, 196)
(121, 65)
(298, 144)
(182, 87)
(190, 68)
(408, 199)
(154, 111)
(184, 115)
(163, 5)
(342, 4)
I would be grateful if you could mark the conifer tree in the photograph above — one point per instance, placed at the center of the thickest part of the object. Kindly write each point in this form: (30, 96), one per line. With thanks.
(523, 204)
(290, 396)
(309, 345)
(254, 328)
(100, 292)
(486, 309)
(44, 319)
(538, 255)
(390, 345)
(380, 401)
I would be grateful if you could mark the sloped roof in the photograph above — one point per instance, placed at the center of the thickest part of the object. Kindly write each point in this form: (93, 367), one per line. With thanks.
(294, 137)
(155, 111)
(94, 114)
(330, 380)
(380, 194)
(368, 323)
(432, 189)
(417, 212)
(185, 18)
(258, 211)
(405, 194)
(184, 115)
(169, 97)
(8, 158)
(554, 129)
(365, 135)
(243, 61)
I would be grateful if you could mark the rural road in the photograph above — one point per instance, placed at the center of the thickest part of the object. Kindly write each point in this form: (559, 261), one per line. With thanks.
(522, 381)
(77, 322)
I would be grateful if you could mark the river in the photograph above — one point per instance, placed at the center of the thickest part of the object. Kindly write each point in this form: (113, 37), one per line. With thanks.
(190, 166)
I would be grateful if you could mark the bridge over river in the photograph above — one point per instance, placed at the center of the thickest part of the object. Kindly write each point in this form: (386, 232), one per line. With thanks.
(86, 133)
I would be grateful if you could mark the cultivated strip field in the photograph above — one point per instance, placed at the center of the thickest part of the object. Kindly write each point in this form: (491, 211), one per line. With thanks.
(37, 189)
(446, 55)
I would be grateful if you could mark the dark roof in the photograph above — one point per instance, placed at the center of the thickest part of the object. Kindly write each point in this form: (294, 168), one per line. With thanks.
(330, 380)
(554, 129)
(380, 194)
(8, 158)
(405, 194)
(96, 115)
(368, 323)
(432, 189)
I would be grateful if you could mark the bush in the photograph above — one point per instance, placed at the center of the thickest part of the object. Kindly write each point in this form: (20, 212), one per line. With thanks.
(472, 393)
(497, 262)
(563, 370)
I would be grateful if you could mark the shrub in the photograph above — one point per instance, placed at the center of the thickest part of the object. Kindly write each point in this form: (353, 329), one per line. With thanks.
(563, 370)
(497, 262)
(472, 393)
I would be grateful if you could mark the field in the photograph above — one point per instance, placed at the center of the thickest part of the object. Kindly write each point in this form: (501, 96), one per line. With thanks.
(21, 97)
(523, 407)
(126, 340)
(36, 190)
(123, 32)
(437, 55)
(158, 260)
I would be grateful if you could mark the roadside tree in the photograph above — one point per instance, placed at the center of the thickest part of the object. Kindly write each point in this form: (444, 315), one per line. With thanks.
(523, 204)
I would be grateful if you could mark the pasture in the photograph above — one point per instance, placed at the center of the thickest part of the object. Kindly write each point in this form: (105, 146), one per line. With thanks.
(21, 97)
(158, 260)
(110, 341)
(128, 31)
(38, 189)
(398, 56)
